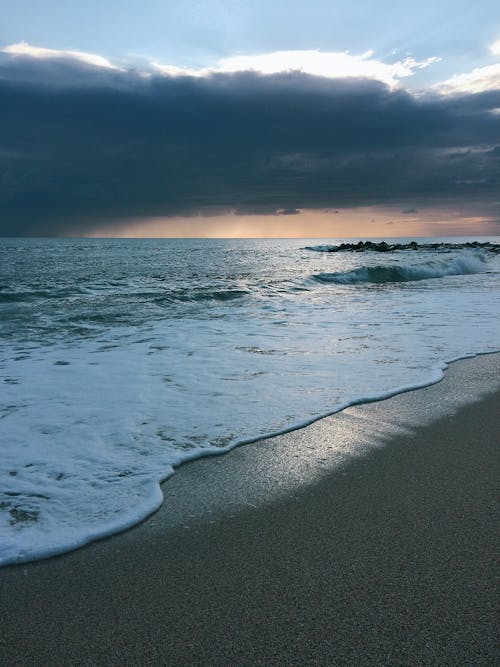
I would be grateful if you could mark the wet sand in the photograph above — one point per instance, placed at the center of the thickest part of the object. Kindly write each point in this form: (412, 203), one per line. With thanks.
(276, 554)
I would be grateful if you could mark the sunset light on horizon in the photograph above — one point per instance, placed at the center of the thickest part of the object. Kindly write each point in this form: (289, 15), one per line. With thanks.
(260, 238)
(209, 119)
(369, 222)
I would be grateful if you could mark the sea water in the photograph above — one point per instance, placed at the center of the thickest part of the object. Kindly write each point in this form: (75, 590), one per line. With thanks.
(121, 359)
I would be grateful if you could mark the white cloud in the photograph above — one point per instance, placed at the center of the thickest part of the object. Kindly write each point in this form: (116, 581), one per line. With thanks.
(495, 48)
(328, 64)
(331, 64)
(479, 80)
(25, 49)
(172, 70)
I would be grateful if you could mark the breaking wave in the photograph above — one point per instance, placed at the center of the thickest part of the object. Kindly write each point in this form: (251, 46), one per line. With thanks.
(396, 273)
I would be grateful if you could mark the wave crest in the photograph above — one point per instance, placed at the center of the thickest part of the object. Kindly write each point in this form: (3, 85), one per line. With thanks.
(396, 273)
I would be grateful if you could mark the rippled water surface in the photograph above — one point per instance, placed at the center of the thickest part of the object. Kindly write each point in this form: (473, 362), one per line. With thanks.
(120, 359)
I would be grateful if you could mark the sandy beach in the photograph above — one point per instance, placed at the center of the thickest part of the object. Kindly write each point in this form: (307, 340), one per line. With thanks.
(379, 550)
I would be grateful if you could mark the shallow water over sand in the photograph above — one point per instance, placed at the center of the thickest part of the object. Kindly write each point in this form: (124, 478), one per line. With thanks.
(121, 359)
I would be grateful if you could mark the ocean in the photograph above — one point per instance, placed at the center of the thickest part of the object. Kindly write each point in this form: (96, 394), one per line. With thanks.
(120, 359)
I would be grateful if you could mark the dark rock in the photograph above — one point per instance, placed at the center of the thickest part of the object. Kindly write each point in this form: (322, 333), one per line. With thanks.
(382, 246)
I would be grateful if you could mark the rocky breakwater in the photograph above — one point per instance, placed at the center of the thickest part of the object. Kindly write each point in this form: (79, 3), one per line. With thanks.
(382, 246)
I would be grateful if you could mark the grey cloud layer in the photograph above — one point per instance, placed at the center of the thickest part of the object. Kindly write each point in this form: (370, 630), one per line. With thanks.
(81, 146)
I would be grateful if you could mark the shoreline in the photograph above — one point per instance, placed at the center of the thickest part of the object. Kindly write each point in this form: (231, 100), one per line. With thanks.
(270, 467)
(387, 558)
(354, 447)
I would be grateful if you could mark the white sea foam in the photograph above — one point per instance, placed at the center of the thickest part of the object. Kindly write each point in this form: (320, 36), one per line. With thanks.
(463, 265)
(109, 380)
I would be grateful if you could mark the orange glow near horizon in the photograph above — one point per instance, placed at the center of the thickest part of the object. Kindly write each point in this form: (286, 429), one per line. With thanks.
(374, 222)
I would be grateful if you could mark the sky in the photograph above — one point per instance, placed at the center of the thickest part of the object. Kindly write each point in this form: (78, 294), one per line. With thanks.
(249, 118)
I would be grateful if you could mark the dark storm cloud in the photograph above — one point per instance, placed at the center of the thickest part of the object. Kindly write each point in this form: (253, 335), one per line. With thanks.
(82, 147)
